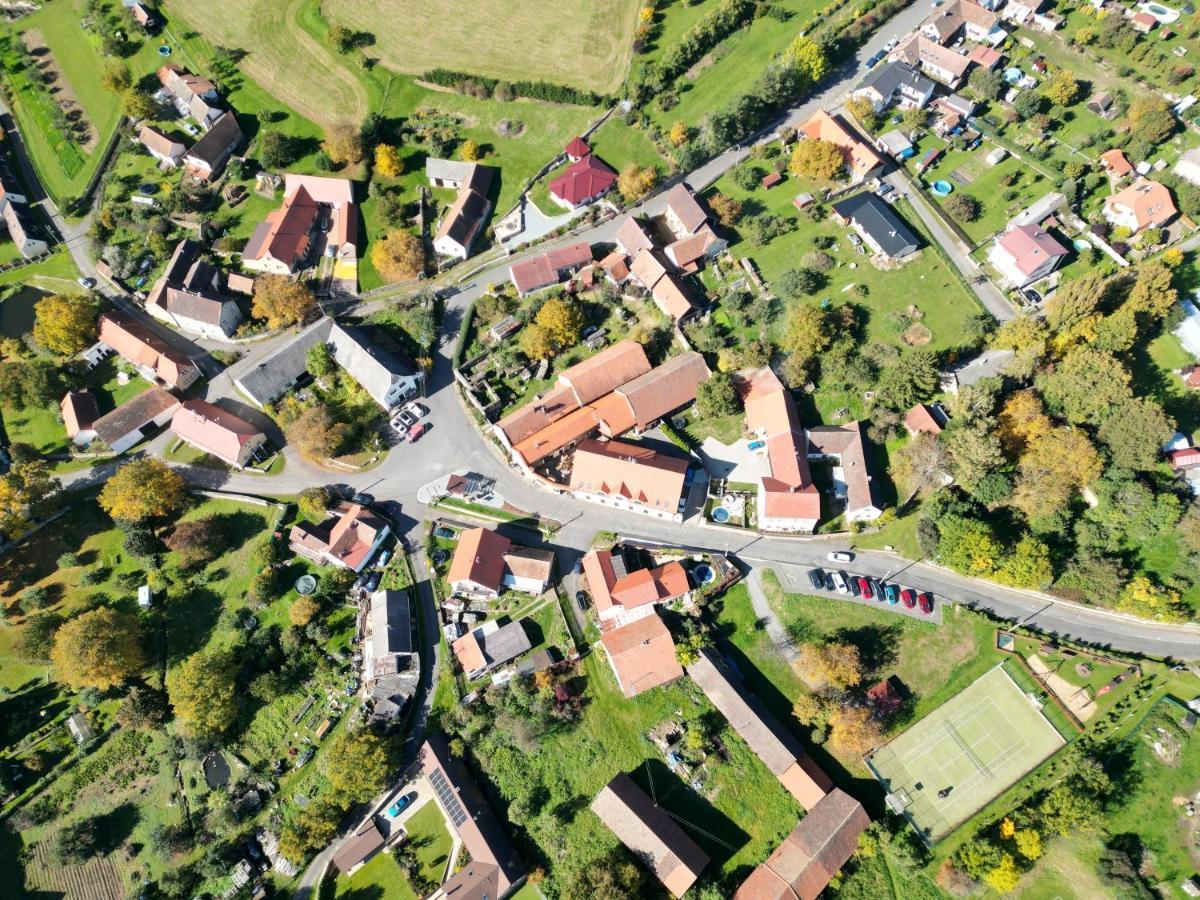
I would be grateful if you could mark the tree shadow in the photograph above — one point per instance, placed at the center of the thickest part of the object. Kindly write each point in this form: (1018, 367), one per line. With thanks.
(115, 827)
(876, 645)
(190, 620)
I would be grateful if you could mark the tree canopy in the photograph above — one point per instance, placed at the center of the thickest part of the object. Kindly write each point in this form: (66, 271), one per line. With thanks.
(97, 649)
(282, 301)
(203, 692)
(65, 323)
(145, 488)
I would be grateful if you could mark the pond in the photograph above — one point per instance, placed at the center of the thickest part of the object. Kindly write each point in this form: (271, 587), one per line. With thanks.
(16, 311)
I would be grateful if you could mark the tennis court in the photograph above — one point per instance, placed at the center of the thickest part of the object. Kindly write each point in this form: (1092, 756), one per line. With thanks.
(964, 754)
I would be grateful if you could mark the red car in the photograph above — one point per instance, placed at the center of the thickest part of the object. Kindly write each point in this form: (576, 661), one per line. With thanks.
(416, 431)
(927, 603)
(865, 587)
(909, 596)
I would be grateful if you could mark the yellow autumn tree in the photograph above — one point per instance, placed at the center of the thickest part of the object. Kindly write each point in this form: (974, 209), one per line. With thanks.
(679, 133)
(400, 256)
(834, 665)
(387, 161)
(343, 145)
(64, 323)
(145, 488)
(97, 649)
(635, 182)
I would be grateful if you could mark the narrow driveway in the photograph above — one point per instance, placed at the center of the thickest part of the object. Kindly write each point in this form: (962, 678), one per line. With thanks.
(766, 615)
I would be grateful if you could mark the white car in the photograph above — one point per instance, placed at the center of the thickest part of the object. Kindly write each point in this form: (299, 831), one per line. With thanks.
(85, 282)
(400, 428)
(891, 45)
(839, 583)
(415, 409)
(407, 418)
(840, 556)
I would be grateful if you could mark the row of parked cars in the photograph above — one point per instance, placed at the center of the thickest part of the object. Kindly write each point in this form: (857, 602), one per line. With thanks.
(407, 423)
(869, 587)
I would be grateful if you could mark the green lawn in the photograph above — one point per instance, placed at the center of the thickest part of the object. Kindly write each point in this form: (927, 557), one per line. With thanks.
(619, 145)
(383, 879)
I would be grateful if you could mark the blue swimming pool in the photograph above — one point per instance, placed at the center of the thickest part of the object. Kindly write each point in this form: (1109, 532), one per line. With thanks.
(942, 188)
(720, 515)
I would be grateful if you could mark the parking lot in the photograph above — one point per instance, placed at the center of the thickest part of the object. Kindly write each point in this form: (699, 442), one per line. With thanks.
(795, 580)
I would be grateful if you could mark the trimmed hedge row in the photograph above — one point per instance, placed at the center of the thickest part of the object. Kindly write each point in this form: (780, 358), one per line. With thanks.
(464, 335)
(534, 90)
(710, 30)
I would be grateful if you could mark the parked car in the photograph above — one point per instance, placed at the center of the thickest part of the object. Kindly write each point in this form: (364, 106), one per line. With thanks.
(415, 409)
(581, 600)
(841, 556)
(407, 418)
(402, 804)
(400, 428)
(893, 594)
(86, 283)
(416, 431)
(864, 587)
(372, 582)
(444, 533)
(876, 587)
(817, 577)
(926, 601)
(829, 585)
(909, 596)
(891, 44)
(851, 582)
(839, 583)
(363, 499)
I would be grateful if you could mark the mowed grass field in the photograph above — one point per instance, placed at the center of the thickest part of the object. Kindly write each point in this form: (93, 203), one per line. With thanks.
(581, 43)
(281, 56)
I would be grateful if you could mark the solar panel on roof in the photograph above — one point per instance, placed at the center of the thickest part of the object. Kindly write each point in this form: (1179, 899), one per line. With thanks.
(449, 800)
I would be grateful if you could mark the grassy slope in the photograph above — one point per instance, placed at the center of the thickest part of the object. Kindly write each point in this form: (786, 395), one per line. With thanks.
(519, 42)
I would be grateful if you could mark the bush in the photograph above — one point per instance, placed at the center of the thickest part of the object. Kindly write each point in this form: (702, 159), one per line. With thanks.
(68, 560)
(963, 207)
(36, 598)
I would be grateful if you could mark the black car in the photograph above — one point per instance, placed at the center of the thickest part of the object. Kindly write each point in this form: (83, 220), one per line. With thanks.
(852, 583)
(363, 499)
(372, 581)
(829, 585)
(876, 586)
(581, 600)
(817, 577)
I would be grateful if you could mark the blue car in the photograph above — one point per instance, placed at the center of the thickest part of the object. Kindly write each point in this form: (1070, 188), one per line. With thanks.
(893, 595)
(400, 805)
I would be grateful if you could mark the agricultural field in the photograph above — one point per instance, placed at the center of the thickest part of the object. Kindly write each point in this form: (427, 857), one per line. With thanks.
(525, 41)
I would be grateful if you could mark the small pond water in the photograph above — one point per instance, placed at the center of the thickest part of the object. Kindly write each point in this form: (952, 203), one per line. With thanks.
(16, 311)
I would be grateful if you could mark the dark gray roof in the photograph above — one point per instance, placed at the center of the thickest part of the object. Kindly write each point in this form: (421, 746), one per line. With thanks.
(505, 643)
(880, 221)
(886, 79)
(390, 630)
(133, 414)
(218, 142)
(272, 376)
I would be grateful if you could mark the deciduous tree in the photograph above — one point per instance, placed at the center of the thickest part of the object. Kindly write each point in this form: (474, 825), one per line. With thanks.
(343, 145)
(835, 666)
(1028, 566)
(357, 765)
(1150, 117)
(987, 84)
(968, 546)
(1053, 468)
(400, 256)
(65, 323)
(276, 150)
(679, 133)
(562, 321)
(809, 58)
(852, 730)
(1142, 597)
(197, 541)
(728, 210)
(282, 301)
(1135, 432)
(97, 649)
(317, 435)
(716, 396)
(1086, 385)
(203, 692)
(809, 331)
(1061, 88)
(387, 161)
(1152, 291)
(921, 465)
(818, 159)
(116, 77)
(319, 361)
(302, 611)
(1022, 420)
(143, 489)
(536, 343)
(313, 502)
(635, 182)
(470, 151)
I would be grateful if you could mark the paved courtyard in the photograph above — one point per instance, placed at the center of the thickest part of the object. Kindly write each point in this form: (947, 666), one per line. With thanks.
(734, 462)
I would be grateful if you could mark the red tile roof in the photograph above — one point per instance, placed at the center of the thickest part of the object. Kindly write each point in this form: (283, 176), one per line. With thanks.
(665, 388)
(789, 492)
(598, 569)
(79, 411)
(548, 269)
(657, 585)
(920, 419)
(1116, 161)
(577, 148)
(479, 557)
(214, 430)
(682, 204)
(583, 180)
(1185, 458)
(642, 654)
(632, 237)
(139, 345)
(637, 474)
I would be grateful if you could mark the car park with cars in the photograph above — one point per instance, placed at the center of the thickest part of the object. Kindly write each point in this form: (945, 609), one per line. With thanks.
(817, 578)
(864, 587)
(909, 596)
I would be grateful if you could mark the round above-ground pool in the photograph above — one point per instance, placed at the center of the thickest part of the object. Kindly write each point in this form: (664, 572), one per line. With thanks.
(439, 556)
(720, 515)
(164, 50)
(305, 585)
(1081, 244)
(704, 574)
(942, 188)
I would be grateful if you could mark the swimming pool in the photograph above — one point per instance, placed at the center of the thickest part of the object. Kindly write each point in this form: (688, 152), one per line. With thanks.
(1164, 14)
(720, 515)
(942, 188)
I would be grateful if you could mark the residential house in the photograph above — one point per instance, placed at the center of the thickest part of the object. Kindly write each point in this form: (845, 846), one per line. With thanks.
(391, 665)
(939, 63)
(494, 870)
(315, 209)
(642, 655)
(689, 253)
(143, 17)
(632, 238)
(191, 95)
(895, 82)
(388, 380)
(924, 419)
(985, 57)
(878, 225)
(208, 155)
(550, 268)
(1117, 164)
(1039, 210)
(621, 596)
(490, 646)
(853, 482)
(650, 834)
(188, 295)
(166, 150)
(670, 296)
(1187, 166)
(584, 182)
(353, 853)
(629, 477)
(648, 267)
(861, 161)
(154, 359)
(1026, 254)
(814, 852)
(1143, 22)
(463, 221)
(611, 393)
(788, 500)
(1021, 12)
(217, 432)
(240, 284)
(577, 148)
(616, 267)
(963, 17)
(895, 143)
(22, 230)
(1143, 204)
(683, 213)
(79, 415)
(765, 735)
(136, 419)
(989, 364)
(348, 539)
(485, 563)
(10, 189)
